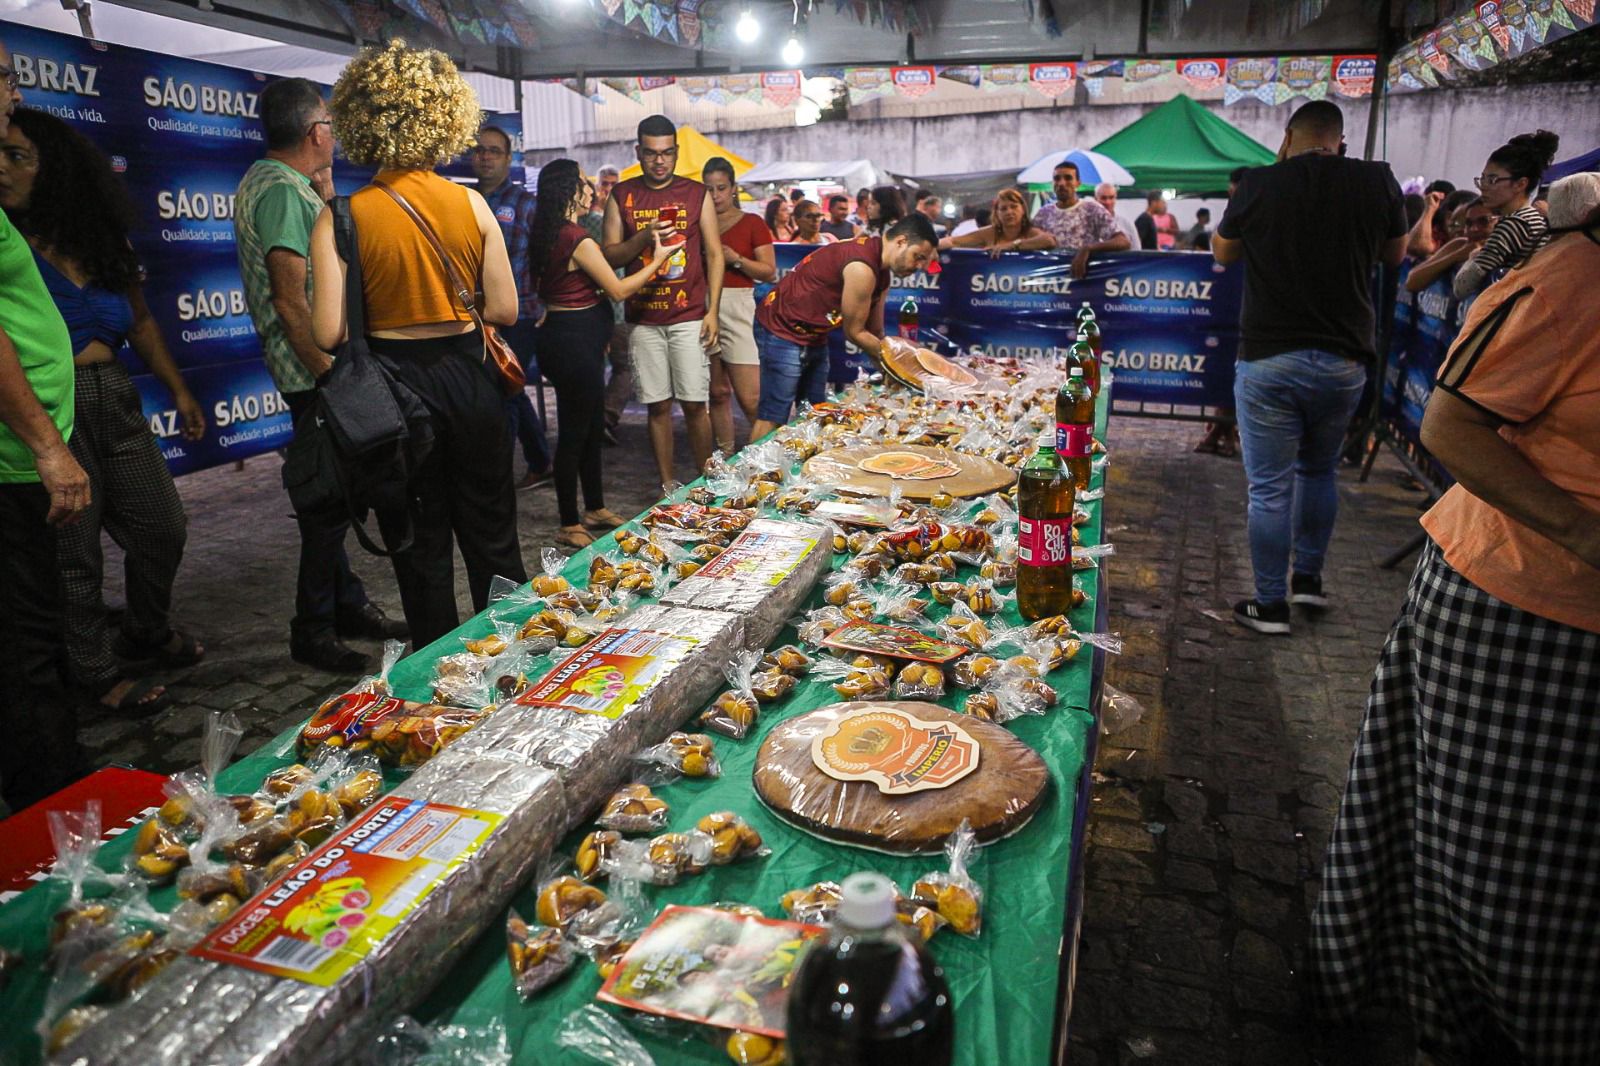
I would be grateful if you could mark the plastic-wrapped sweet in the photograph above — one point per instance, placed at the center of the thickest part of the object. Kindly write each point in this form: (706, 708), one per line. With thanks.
(562, 899)
(538, 957)
(919, 681)
(852, 682)
(816, 625)
(592, 851)
(735, 711)
(551, 582)
(753, 1049)
(787, 659)
(688, 754)
(661, 860)
(971, 670)
(963, 626)
(633, 808)
(732, 838)
(953, 893)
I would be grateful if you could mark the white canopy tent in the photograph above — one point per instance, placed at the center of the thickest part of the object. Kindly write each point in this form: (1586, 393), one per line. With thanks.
(850, 173)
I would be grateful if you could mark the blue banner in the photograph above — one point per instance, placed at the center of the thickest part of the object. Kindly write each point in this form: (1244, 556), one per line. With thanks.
(1170, 320)
(182, 134)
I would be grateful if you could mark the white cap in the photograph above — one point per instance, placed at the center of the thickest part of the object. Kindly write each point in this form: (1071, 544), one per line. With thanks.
(866, 901)
(1075, 372)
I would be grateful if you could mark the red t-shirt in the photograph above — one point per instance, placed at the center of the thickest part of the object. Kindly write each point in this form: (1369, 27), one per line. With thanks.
(808, 303)
(678, 292)
(563, 287)
(744, 237)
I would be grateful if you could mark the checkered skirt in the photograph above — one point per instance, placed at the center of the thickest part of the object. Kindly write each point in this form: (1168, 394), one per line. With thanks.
(1463, 876)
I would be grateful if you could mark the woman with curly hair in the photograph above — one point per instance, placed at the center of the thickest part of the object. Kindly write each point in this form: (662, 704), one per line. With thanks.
(404, 111)
(59, 191)
(1010, 229)
(571, 274)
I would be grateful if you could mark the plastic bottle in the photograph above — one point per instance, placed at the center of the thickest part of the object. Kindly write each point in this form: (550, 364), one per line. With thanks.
(1075, 426)
(1082, 356)
(1089, 328)
(865, 994)
(1045, 498)
(908, 319)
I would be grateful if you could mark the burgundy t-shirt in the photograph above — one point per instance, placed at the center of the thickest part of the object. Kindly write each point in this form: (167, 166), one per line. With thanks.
(807, 304)
(563, 287)
(678, 292)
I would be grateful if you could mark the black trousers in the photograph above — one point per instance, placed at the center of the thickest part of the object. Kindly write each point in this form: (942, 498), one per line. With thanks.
(462, 495)
(325, 584)
(136, 502)
(522, 421)
(572, 354)
(40, 753)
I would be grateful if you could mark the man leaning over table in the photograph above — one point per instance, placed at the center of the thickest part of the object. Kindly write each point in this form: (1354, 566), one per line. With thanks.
(41, 486)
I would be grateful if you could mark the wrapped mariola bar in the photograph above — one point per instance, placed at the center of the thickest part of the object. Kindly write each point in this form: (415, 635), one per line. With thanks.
(623, 691)
(763, 576)
(312, 967)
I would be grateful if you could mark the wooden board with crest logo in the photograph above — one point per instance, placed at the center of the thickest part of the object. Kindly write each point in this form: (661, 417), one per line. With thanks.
(898, 776)
(974, 476)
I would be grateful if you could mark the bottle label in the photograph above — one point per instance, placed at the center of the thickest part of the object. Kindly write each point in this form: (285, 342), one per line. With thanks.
(1073, 439)
(908, 330)
(1044, 541)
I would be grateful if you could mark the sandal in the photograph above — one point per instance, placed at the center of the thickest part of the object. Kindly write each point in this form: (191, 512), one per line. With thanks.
(574, 537)
(603, 518)
(143, 698)
(1228, 444)
(187, 653)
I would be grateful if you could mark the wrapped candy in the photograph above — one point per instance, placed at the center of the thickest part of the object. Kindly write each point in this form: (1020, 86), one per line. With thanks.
(550, 581)
(634, 809)
(538, 957)
(732, 838)
(592, 851)
(859, 679)
(953, 893)
(734, 712)
(686, 754)
(561, 900)
(919, 681)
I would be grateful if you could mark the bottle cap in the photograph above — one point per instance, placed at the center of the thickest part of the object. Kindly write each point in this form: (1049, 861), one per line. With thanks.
(1047, 439)
(866, 901)
(1075, 372)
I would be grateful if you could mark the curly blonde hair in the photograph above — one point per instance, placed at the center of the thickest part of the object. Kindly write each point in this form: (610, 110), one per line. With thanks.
(402, 107)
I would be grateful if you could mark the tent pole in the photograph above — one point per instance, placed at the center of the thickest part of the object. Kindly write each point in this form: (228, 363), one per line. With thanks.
(1380, 77)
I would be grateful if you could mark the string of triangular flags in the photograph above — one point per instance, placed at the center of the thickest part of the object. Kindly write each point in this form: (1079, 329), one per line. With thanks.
(1486, 34)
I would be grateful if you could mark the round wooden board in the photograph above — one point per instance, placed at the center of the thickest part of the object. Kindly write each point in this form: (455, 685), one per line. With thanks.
(998, 797)
(978, 476)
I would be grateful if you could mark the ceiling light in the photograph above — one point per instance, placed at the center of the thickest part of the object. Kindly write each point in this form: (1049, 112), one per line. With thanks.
(748, 28)
(793, 53)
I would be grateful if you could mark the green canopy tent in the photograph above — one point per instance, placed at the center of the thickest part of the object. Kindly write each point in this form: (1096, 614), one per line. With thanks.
(1180, 145)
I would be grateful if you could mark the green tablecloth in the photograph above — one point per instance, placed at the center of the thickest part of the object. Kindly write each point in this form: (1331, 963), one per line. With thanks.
(1005, 985)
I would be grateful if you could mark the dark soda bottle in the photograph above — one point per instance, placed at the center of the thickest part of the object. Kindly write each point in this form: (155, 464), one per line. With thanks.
(908, 319)
(1089, 333)
(1044, 534)
(1075, 426)
(1081, 355)
(865, 994)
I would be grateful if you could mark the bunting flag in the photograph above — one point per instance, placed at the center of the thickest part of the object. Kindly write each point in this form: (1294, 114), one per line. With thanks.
(1516, 16)
(696, 88)
(1095, 72)
(1581, 9)
(781, 88)
(1005, 77)
(745, 87)
(1429, 50)
(428, 11)
(1354, 76)
(1490, 15)
(1053, 79)
(1461, 40)
(1251, 79)
(689, 21)
(1205, 75)
(968, 75)
(912, 81)
(1141, 70)
(867, 83)
(1305, 76)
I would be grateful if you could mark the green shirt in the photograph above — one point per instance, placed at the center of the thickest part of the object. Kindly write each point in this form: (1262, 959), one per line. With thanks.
(275, 207)
(44, 348)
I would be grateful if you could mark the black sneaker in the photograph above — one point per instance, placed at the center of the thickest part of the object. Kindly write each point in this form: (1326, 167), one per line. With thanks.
(1306, 590)
(326, 653)
(1262, 617)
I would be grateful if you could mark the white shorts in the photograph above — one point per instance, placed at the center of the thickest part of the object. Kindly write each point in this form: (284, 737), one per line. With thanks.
(736, 320)
(669, 363)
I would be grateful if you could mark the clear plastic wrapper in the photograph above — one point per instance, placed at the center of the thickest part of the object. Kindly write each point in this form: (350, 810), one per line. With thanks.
(816, 625)
(953, 893)
(764, 575)
(901, 603)
(662, 860)
(600, 932)
(539, 956)
(591, 853)
(1087, 558)
(401, 733)
(682, 754)
(901, 776)
(469, 1039)
(787, 659)
(597, 1035)
(919, 681)
(732, 838)
(550, 581)
(734, 712)
(858, 678)
(633, 808)
(1118, 710)
(75, 835)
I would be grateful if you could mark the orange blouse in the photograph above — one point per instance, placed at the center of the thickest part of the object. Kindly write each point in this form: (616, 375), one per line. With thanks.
(401, 276)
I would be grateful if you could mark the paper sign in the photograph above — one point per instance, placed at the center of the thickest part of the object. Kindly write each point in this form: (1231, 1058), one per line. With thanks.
(610, 673)
(326, 914)
(894, 750)
(874, 639)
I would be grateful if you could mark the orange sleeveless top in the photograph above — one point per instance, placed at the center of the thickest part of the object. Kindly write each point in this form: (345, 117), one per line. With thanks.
(401, 276)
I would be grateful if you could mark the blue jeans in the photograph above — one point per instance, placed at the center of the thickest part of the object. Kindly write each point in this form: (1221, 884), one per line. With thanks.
(1293, 411)
(789, 372)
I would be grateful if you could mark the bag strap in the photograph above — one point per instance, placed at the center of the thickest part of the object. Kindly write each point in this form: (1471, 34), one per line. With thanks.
(463, 293)
(344, 240)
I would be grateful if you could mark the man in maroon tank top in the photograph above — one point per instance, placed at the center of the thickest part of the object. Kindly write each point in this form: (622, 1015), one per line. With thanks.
(837, 285)
(675, 316)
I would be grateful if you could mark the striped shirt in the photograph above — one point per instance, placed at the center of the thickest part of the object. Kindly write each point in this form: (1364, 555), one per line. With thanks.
(1515, 237)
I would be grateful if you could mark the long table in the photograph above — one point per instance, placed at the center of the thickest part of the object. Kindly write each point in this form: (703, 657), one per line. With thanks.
(1010, 987)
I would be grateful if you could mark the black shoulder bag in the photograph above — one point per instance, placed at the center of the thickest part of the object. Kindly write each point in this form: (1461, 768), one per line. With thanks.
(365, 433)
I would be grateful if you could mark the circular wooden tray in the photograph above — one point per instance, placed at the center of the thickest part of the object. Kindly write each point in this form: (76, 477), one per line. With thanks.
(997, 798)
(978, 476)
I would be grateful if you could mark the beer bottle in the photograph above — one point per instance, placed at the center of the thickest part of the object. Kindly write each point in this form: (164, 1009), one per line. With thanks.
(1044, 534)
(908, 319)
(1075, 426)
(1081, 355)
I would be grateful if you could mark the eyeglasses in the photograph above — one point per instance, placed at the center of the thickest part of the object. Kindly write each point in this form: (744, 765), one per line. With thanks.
(484, 149)
(645, 153)
(1489, 181)
(9, 77)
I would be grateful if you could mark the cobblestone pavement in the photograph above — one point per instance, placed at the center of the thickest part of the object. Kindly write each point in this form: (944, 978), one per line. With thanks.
(1211, 813)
